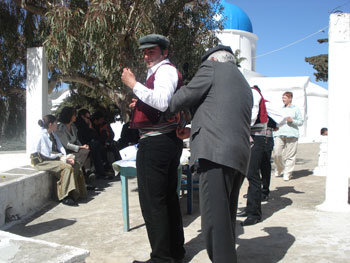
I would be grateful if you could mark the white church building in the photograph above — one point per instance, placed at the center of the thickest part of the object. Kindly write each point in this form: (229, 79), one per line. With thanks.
(311, 98)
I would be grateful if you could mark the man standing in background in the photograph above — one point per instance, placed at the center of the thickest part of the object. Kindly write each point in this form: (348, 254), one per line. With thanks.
(286, 138)
(258, 136)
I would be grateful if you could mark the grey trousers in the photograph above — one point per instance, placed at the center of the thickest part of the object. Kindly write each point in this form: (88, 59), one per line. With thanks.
(218, 193)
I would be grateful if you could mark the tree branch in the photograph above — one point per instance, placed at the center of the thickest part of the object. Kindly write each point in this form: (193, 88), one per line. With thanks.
(39, 10)
(120, 98)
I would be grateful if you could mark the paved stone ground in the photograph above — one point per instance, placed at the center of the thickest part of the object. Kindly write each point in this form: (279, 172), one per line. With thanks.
(292, 229)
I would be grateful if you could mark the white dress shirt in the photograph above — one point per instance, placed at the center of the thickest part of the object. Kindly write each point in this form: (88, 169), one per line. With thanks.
(165, 84)
(255, 109)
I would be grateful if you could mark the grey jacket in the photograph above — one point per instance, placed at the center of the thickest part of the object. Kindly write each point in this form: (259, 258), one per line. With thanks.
(221, 101)
(69, 140)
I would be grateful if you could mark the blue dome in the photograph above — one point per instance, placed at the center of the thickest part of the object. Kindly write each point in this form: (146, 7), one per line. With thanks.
(236, 18)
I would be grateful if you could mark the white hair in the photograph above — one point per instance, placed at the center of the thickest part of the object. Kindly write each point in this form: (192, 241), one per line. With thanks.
(222, 56)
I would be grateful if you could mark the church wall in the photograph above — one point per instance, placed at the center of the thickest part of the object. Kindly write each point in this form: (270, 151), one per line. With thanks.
(317, 110)
(245, 42)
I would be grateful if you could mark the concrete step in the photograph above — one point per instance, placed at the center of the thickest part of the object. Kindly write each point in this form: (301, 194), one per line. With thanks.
(14, 248)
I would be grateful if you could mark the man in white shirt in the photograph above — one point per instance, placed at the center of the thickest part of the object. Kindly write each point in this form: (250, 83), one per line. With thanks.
(258, 136)
(159, 150)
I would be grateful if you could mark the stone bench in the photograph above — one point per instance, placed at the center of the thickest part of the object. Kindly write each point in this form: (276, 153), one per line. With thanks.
(23, 191)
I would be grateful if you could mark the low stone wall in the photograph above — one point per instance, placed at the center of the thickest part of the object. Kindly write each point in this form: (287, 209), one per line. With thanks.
(22, 191)
(14, 248)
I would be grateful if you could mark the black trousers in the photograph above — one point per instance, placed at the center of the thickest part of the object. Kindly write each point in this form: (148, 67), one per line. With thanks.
(265, 167)
(96, 150)
(253, 208)
(218, 192)
(158, 158)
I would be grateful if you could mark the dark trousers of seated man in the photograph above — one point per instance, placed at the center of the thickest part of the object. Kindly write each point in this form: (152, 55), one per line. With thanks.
(253, 208)
(218, 193)
(265, 167)
(96, 152)
(157, 161)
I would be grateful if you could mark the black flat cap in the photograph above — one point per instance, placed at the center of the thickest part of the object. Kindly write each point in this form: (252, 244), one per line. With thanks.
(214, 49)
(153, 40)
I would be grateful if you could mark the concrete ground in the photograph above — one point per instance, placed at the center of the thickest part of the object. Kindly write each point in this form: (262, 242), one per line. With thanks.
(292, 229)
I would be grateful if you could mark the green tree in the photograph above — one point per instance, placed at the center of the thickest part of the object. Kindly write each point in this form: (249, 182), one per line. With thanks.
(320, 64)
(18, 30)
(89, 42)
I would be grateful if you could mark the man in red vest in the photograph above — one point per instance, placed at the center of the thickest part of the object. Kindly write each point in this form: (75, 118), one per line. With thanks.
(159, 150)
(258, 136)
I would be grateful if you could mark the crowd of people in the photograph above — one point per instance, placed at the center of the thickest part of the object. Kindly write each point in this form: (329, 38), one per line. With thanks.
(232, 136)
(75, 148)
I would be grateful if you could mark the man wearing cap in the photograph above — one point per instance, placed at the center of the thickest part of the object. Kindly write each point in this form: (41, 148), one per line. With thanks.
(221, 101)
(159, 152)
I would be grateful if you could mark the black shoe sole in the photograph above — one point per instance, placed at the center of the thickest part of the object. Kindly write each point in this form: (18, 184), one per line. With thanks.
(250, 222)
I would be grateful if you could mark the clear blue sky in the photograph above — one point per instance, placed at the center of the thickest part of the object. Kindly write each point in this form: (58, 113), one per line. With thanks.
(278, 23)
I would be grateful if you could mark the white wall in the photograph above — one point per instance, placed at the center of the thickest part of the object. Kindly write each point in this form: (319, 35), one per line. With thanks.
(317, 109)
(245, 42)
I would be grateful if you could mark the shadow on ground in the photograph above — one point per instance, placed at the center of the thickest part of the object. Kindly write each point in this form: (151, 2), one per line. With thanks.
(194, 246)
(271, 248)
(26, 230)
(100, 185)
(278, 201)
(301, 173)
(43, 228)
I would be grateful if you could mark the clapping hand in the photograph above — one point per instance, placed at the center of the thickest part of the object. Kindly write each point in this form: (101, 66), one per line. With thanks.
(128, 78)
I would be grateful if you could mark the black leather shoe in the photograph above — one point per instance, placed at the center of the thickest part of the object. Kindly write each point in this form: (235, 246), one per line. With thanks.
(69, 201)
(250, 221)
(242, 213)
(264, 198)
(139, 261)
(90, 187)
(245, 196)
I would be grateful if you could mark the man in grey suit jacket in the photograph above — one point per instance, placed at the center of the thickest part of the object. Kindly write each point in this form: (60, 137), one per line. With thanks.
(220, 100)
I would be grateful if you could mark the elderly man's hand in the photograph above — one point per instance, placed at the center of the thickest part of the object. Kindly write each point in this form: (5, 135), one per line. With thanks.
(183, 133)
(128, 78)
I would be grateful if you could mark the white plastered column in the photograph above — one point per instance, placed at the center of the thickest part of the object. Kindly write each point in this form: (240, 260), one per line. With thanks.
(37, 93)
(338, 115)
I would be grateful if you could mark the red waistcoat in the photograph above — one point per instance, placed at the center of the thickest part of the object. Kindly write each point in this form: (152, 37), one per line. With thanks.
(145, 115)
(262, 116)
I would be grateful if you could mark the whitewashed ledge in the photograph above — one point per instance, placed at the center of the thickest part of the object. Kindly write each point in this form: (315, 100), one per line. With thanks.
(23, 191)
(18, 249)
